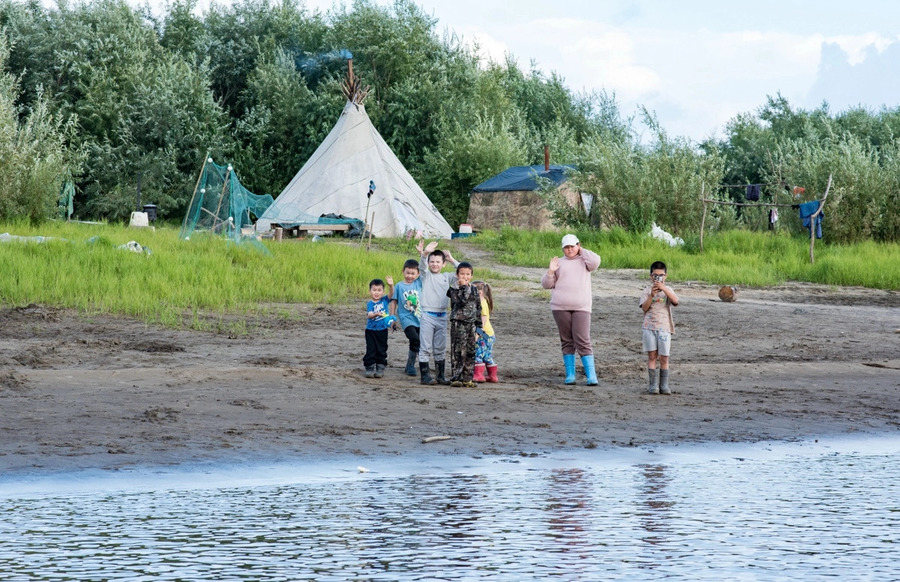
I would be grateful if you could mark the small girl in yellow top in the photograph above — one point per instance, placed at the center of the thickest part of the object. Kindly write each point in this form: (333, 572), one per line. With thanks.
(485, 368)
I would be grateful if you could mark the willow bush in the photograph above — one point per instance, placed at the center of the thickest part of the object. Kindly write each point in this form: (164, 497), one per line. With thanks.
(34, 156)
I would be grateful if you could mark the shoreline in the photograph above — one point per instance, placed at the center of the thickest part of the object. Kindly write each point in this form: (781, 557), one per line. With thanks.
(279, 471)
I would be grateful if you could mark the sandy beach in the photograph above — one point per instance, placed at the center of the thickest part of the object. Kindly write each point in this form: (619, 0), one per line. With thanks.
(104, 392)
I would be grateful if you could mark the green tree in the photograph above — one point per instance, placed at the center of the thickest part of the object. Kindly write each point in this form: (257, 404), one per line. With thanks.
(244, 33)
(286, 124)
(34, 156)
(636, 185)
(465, 156)
(141, 110)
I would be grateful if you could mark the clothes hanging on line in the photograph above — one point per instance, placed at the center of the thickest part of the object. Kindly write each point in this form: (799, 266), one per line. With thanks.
(807, 209)
(753, 191)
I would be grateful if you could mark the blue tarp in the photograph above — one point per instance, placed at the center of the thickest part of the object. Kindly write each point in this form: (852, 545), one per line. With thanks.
(523, 178)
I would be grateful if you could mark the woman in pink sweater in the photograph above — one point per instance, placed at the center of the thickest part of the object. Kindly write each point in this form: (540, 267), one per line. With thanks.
(569, 277)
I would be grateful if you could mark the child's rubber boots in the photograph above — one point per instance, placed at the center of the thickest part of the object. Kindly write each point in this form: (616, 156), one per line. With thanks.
(426, 376)
(492, 373)
(439, 370)
(664, 382)
(411, 363)
(652, 387)
(478, 373)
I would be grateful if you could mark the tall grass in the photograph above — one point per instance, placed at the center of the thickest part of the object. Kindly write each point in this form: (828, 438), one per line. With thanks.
(736, 257)
(83, 268)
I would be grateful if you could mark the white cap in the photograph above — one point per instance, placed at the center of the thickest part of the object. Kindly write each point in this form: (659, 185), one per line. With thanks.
(570, 240)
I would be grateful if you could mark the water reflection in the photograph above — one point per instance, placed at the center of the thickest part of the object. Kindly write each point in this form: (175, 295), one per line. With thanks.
(655, 513)
(784, 517)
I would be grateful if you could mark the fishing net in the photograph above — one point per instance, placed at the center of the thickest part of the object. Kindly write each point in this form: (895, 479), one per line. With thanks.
(222, 206)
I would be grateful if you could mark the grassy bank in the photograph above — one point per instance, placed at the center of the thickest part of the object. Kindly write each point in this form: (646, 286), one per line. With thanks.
(735, 257)
(82, 266)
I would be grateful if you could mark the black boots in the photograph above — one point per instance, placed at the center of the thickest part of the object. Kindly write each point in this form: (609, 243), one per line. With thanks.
(411, 363)
(426, 377)
(439, 369)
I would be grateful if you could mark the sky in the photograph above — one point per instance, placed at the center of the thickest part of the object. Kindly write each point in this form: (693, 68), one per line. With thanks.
(696, 64)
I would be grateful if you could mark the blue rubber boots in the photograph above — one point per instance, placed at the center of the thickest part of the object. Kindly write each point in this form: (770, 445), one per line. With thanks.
(569, 361)
(588, 363)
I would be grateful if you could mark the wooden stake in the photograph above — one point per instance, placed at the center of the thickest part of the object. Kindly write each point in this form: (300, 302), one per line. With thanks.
(194, 195)
(702, 220)
(812, 221)
(221, 196)
(362, 236)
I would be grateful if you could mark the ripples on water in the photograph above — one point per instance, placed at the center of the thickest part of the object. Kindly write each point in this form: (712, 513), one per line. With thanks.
(754, 513)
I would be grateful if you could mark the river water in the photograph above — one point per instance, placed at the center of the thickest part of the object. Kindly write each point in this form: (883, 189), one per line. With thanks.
(767, 511)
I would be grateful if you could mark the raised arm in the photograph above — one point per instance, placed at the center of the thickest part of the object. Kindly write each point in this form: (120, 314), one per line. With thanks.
(450, 258)
(548, 281)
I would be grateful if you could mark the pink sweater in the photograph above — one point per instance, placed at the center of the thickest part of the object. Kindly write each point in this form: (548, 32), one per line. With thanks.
(571, 283)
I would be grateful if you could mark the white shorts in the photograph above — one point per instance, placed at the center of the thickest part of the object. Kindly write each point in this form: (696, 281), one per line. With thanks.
(657, 341)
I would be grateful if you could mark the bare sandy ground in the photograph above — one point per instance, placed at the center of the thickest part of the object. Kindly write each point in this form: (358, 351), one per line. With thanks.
(785, 363)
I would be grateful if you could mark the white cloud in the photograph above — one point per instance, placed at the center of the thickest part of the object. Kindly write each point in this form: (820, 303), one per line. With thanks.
(695, 80)
(857, 47)
(489, 49)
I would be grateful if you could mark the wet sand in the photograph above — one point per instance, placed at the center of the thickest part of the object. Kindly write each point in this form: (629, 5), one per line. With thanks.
(103, 392)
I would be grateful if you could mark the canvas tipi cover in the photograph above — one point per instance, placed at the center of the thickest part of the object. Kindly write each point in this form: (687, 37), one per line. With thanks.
(335, 180)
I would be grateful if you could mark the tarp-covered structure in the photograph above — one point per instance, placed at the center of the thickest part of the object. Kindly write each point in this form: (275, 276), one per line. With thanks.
(511, 198)
(337, 177)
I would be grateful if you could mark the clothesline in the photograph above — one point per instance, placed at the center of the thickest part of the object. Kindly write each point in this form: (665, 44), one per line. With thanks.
(814, 217)
(747, 203)
(745, 185)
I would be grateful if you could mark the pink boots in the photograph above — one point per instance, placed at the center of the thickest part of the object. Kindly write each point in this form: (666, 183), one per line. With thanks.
(492, 373)
(483, 373)
(478, 373)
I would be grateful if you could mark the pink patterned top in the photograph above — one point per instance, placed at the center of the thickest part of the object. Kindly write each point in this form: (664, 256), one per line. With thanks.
(571, 283)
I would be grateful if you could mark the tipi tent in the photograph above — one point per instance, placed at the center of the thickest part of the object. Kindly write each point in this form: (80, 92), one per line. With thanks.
(336, 180)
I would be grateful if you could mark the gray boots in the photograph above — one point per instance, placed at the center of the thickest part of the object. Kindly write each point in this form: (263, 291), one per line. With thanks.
(663, 382)
(651, 387)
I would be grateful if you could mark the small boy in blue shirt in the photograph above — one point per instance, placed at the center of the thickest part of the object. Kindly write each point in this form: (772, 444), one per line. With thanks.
(406, 305)
(378, 321)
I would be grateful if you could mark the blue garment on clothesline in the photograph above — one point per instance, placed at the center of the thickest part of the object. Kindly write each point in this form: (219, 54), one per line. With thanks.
(807, 209)
(753, 191)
